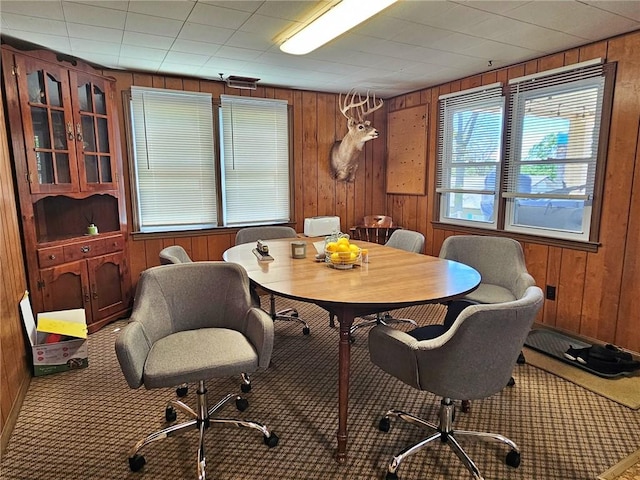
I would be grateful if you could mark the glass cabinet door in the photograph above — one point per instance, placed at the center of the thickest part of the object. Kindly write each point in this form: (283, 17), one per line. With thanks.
(48, 126)
(96, 160)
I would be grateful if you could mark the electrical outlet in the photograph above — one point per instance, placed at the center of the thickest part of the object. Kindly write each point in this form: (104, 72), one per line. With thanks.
(551, 292)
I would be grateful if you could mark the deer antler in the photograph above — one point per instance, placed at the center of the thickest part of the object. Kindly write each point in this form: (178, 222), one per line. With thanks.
(359, 106)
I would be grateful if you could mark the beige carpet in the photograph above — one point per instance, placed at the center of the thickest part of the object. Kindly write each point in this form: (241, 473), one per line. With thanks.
(624, 389)
(79, 425)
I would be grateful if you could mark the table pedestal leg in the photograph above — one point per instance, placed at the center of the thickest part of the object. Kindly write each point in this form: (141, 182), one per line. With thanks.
(344, 359)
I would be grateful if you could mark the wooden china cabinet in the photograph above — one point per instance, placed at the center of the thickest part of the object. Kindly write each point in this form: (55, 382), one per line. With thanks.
(66, 152)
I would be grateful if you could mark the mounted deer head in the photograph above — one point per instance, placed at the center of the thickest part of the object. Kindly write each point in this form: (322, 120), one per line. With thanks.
(346, 153)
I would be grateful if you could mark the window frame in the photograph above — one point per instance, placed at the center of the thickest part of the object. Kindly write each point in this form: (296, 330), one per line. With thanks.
(589, 243)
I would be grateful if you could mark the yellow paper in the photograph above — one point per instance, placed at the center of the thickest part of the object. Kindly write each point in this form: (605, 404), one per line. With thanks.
(72, 327)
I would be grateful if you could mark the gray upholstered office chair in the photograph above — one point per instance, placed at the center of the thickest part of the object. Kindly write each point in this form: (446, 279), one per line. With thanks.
(471, 360)
(253, 234)
(190, 323)
(404, 240)
(500, 261)
(174, 254)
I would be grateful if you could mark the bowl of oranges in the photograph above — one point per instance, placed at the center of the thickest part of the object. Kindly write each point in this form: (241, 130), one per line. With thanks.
(340, 253)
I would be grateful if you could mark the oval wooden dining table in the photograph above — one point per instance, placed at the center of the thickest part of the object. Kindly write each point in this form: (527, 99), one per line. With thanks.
(391, 279)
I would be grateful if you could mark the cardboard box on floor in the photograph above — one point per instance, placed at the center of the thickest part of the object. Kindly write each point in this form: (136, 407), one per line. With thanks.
(70, 353)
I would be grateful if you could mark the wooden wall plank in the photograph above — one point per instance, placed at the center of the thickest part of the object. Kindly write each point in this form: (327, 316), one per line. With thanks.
(15, 368)
(569, 290)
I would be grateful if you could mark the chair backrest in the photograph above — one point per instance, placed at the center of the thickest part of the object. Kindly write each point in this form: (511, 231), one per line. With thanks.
(174, 254)
(253, 234)
(406, 240)
(473, 359)
(499, 260)
(380, 221)
(374, 228)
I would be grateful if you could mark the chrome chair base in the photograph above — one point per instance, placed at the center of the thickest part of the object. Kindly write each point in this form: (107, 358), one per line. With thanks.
(446, 434)
(200, 419)
(288, 315)
(384, 318)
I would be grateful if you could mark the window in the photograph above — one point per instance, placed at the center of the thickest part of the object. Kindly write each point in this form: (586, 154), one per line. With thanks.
(554, 142)
(255, 160)
(469, 154)
(177, 181)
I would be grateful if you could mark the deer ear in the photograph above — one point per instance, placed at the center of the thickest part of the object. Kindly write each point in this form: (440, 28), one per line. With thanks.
(367, 123)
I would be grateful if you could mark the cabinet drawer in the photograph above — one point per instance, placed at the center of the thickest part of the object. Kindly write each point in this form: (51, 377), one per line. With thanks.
(114, 244)
(48, 257)
(86, 249)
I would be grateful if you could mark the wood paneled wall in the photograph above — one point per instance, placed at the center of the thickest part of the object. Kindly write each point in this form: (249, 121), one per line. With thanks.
(317, 124)
(595, 292)
(15, 369)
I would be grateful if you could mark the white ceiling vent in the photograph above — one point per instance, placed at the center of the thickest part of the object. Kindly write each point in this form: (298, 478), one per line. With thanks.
(245, 83)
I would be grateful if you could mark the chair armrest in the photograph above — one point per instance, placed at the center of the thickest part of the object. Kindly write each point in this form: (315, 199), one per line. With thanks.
(132, 348)
(394, 351)
(260, 333)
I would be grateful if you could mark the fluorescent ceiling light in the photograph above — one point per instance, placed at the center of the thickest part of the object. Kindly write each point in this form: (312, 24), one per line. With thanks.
(344, 16)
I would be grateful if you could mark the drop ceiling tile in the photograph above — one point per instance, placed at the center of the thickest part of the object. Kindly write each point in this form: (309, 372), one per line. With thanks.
(203, 33)
(36, 25)
(226, 51)
(187, 59)
(138, 64)
(41, 9)
(113, 4)
(249, 40)
(132, 51)
(56, 42)
(78, 30)
(137, 22)
(189, 46)
(79, 45)
(629, 9)
(147, 40)
(217, 16)
(92, 15)
(176, 10)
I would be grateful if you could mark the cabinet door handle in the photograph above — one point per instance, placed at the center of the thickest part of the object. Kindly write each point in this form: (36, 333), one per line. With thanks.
(52, 257)
(70, 131)
(87, 298)
(85, 249)
(79, 132)
(94, 292)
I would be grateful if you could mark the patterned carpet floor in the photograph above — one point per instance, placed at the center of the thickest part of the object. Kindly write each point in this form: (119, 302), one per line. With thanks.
(81, 424)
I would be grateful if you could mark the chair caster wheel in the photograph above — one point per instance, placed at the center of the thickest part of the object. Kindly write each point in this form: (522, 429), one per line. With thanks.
(511, 382)
(384, 425)
(242, 404)
(170, 414)
(465, 406)
(391, 476)
(352, 339)
(182, 391)
(521, 360)
(306, 330)
(136, 462)
(245, 387)
(272, 440)
(513, 459)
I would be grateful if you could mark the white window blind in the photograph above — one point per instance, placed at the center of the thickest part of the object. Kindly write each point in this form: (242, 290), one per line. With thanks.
(175, 180)
(470, 136)
(553, 132)
(255, 160)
